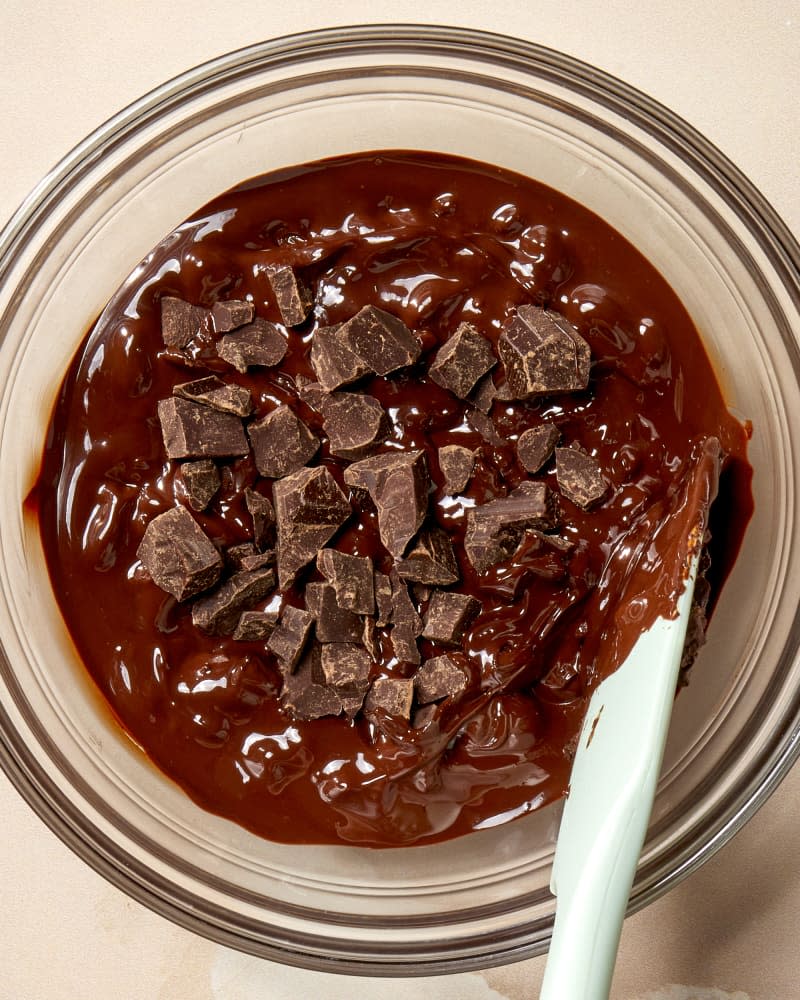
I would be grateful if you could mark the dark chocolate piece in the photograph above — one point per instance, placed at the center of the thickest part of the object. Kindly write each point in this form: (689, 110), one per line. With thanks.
(309, 509)
(423, 715)
(262, 515)
(180, 558)
(181, 322)
(383, 599)
(201, 481)
(303, 696)
(431, 560)
(382, 341)
(449, 616)
(346, 666)
(219, 612)
(543, 353)
(311, 393)
(281, 443)
(255, 625)
(333, 622)
(439, 678)
(259, 343)
(392, 695)
(230, 315)
(290, 635)
(421, 591)
(536, 445)
(352, 577)
(456, 463)
(190, 430)
(257, 560)
(580, 477)
(484, 425)
(219, 395)
(237, 555)
(398, 483)
(333, 360)
(406, 623)
(369, 637)
(355, 424)
(484, 396)
(495, 529)
(294, 297)
(462, 360)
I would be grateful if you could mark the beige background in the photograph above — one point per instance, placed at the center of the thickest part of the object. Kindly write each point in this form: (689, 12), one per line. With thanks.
(731, 69)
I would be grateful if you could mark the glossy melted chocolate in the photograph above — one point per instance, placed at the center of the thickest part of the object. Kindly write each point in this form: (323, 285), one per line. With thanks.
(434, 240)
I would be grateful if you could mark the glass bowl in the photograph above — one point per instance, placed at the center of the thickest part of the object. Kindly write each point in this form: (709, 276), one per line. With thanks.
(483, 899)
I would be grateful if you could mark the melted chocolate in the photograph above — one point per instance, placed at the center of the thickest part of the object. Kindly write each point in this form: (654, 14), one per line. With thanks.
(436, 241)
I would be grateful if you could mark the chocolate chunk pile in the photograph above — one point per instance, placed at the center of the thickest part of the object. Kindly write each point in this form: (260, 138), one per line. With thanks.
(383, 634)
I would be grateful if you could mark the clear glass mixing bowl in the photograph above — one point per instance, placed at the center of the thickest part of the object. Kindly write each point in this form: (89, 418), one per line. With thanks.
(483, 899)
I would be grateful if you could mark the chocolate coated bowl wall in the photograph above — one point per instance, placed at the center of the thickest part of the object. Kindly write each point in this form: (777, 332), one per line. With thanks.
(435, 241)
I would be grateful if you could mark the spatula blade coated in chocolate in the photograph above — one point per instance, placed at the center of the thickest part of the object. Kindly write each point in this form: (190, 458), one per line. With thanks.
(437, 678)
(309, 510)
(462, 361)
(448, 617)
(281, 442)
(219, 395)
(543, 353)
(293, 295)
(180, 558)
(352, 577)
(333, 359)
(219, 612)
(535, 446)
(456, 463)
(431, 560)
(355, 423)
(230, 315)
(258, 344)
(580, 477)
(190, 430)
(382, 341)
(290, 635)
(181, 322)
(201, 482)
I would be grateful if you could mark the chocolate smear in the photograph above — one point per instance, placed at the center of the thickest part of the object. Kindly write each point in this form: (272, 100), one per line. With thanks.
(257, 344)
(543, 353)
(580, 477)
(201, 482)
(536, 445)
(180, 558)
(294, 297)
(462, 361)
(281, 442)
(448, 617)
(309, 509)
(190, 430)
(219, 612)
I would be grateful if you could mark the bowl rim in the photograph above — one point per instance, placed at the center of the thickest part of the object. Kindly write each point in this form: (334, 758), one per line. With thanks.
(671, 132)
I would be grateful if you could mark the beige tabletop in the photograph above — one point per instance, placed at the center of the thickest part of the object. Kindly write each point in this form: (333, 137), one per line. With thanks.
(730, 67)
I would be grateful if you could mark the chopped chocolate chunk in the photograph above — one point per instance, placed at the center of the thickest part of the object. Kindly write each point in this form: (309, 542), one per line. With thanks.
(333, 622)
(294, 297)
(201, 481)
(535, 446)
(262, 515)
(230, 315)
(194, 431)
(346, 666)
(456, 463)
(219, 395)
(219, 612)
(421, 591)
(431, 560)
(449, 616)
(180, 558)
(439, 678)
(354, 423)
(382, 341)
(398, 483)
(257, 560)
(424, 715)
(303, 696)
(392, 695)
(485, 395)
(543, 353)
(462, 360)
(311, 393)
(259, 343)
(309, 509)
(246, 556)
(181, 321)
(333, 360)
(290, 635)
(383, 599)
(351, 577)
(484, 425)
(495, 529)
(580, 477)
(281, 443)
(407, 624)
(255, 625)
(369, 637)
